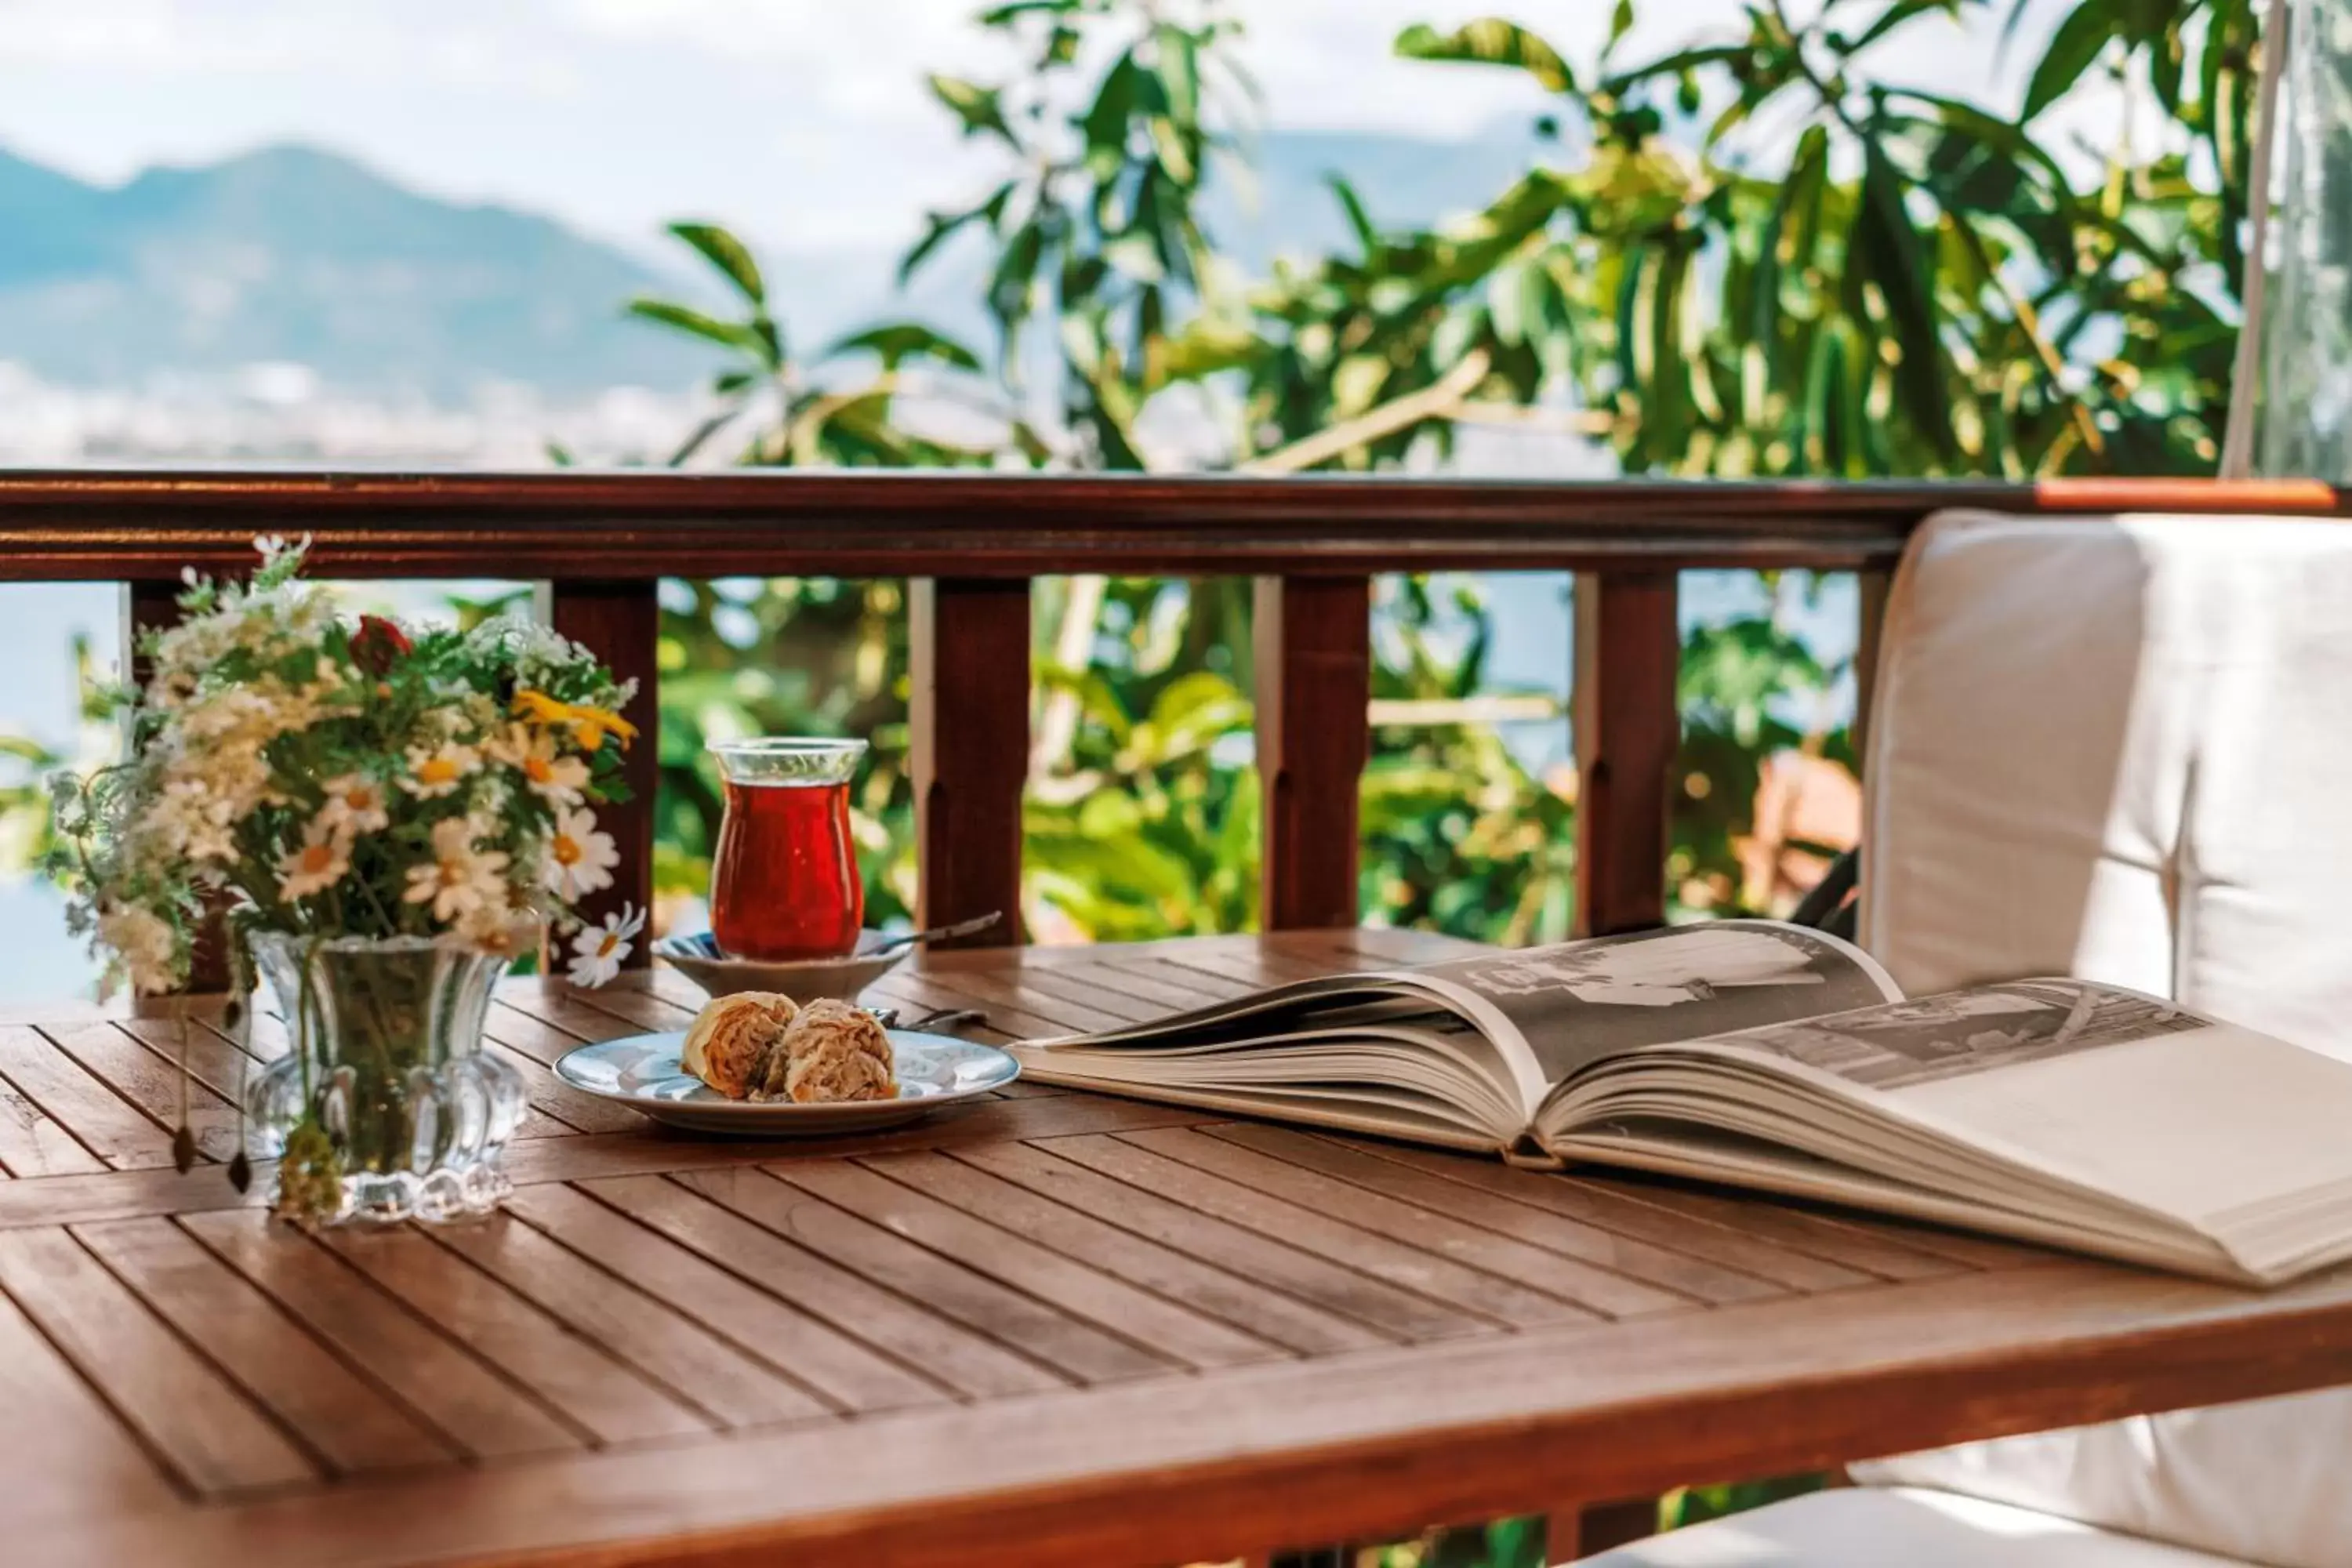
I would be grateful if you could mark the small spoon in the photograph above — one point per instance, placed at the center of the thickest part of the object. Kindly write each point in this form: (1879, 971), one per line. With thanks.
(937, 933)
(943, 1021)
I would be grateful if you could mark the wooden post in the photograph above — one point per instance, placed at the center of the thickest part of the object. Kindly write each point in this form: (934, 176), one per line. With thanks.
(1313, 647)
(1579, 1531)
(152, 607)
(620, 622)
(1873, 587)
(1627, 730)
(968, 722)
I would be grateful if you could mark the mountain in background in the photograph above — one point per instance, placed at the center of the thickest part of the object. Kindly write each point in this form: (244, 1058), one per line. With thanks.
(300, 256)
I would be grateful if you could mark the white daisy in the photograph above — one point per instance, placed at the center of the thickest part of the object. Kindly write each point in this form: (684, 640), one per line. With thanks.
(436, 771)
(316, 864)
(555, 778)
(579, 859)
(601, 948)
(356, 804)
(461, 880)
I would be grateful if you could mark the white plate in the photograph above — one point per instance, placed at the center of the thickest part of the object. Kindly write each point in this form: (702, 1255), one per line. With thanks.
(642, 1072)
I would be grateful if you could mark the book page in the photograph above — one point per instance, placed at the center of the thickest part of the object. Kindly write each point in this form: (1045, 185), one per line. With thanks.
(1968, 1032)
(2133, 1098)
(1579, 1002)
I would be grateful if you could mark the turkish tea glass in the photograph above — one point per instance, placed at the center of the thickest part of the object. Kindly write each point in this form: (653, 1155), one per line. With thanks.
(785, 884)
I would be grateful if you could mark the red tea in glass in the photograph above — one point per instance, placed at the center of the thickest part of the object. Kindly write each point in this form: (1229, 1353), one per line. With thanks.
(785, 883)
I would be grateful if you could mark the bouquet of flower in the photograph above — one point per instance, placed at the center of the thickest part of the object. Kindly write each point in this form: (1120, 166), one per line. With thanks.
(347, 779)
(386, 817)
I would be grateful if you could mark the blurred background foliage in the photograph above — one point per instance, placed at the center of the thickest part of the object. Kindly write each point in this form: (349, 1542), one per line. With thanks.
(1749, 254)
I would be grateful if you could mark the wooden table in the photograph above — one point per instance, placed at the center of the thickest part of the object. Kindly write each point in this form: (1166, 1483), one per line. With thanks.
(1054, 1329)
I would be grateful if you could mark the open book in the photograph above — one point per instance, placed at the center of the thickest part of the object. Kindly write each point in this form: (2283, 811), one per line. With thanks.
(1773, 1057)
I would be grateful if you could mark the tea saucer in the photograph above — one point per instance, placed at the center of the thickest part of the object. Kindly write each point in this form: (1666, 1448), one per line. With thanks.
(643, 1073)
(803, 980)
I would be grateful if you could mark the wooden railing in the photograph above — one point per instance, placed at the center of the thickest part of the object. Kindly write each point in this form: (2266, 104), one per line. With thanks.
(601, 542)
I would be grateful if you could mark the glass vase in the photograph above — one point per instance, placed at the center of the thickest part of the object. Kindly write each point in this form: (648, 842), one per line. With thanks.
(387, 1108)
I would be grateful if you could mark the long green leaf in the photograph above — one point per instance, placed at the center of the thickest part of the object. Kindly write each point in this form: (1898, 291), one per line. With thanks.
(728, 255)
(1796, 212)
(1490, 41)
(901, 341)
(687, 319)
(2086, 30)
(1885, 249)
(1897, 15)
(979, 110)
(1360, 220)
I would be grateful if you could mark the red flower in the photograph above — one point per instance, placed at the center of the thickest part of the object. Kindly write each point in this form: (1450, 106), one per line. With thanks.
(379, 644)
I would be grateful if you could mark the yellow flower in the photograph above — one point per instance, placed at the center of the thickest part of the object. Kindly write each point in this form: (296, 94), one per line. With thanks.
(589, 726)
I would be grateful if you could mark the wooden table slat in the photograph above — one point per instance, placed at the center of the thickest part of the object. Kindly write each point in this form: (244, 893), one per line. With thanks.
(1684, 1273)
(1594, 1203)
(1168, 1330)
(605, 1397)
(347, 1420)
(59, 1444)
(103, 1122)
(210, 1434)
(970, 1364)
(727, 1385)
(35, 1143)
(947, 1286)
(1394, 1312)
(1267, 1315)
(835, 1366)
(125, 1064)
(1517, 1276)
(442, 1380)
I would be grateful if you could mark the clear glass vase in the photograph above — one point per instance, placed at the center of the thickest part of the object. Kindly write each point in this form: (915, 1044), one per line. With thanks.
(387, 1107)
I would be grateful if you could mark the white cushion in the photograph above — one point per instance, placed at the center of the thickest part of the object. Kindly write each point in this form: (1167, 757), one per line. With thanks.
(1876, 1527)
(2123, 749)
(2119, 749)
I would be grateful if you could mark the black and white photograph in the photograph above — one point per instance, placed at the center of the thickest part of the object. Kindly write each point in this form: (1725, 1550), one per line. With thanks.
(1973, 1031)
(1578, 1003)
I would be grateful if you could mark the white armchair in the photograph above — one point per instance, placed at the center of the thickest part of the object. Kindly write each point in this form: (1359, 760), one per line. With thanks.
(2121, 748)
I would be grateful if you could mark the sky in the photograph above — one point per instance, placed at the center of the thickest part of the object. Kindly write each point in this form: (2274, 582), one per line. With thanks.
(801, 121)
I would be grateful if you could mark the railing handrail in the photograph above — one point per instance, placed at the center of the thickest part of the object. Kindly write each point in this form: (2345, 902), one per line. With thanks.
(145, 525)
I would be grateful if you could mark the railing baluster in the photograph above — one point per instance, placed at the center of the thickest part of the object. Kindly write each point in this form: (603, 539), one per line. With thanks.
(1313, 638)
(1627, 730)
(620, 622)
(969, 720)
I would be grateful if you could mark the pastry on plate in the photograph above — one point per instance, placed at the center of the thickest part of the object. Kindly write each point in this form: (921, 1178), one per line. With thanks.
(833, 1051)
(733, 1039)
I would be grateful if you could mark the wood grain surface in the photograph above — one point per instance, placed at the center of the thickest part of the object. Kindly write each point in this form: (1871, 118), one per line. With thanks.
(1046, 1329)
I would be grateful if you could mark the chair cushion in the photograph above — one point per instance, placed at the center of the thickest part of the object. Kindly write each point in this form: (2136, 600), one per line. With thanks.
(2122, 748)
(1873, 1527)
(2119, 749)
